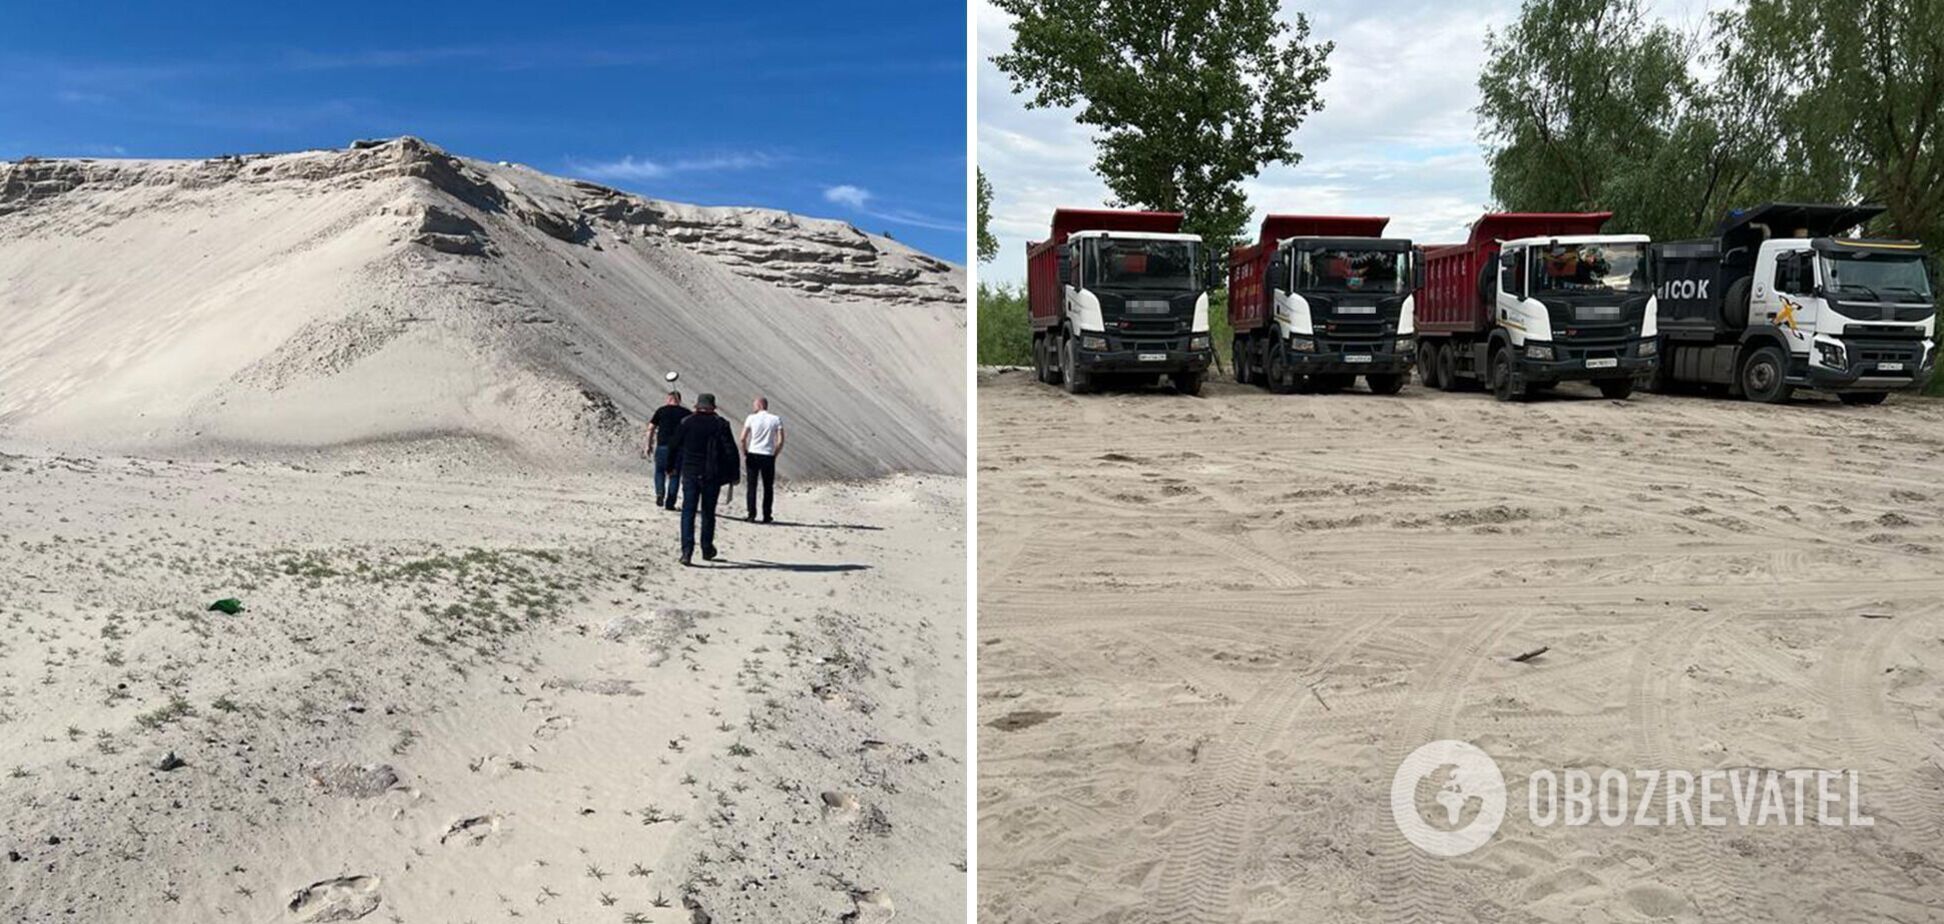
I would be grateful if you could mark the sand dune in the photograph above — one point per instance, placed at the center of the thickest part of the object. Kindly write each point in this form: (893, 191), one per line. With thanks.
(1282, 596)
(393, 291)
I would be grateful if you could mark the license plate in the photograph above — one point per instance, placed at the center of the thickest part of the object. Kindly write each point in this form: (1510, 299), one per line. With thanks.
(1607, 363)
(1154, 357)
(1356, 359)
(1889, 367)
(1356, 309)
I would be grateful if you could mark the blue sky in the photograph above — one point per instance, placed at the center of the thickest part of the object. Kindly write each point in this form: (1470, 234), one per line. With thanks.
(849, 110)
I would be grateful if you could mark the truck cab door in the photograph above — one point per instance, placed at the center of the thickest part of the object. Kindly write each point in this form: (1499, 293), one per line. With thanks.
(1511, 288)
(1784, 296)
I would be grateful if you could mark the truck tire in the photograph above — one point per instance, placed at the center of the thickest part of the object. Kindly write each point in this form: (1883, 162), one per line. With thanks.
(1385, 383)
(1662, 381)
(1071, 376)
(1039, 358)
(1862, 398)
(1764, 376)
(1736, 307)
(1239, 360)
(1617, 389)
(1448, 366)
(1505, 386)
(1189, 383)
(1259, 348)
(1280, 381)
(1427, 365)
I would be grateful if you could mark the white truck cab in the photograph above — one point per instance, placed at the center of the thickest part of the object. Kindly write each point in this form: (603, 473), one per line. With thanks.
(1853, 313)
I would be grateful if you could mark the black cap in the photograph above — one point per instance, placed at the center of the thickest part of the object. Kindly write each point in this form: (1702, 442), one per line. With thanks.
(705, 399)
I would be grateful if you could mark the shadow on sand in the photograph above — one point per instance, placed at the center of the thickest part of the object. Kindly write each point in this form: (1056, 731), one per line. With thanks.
(799, 567)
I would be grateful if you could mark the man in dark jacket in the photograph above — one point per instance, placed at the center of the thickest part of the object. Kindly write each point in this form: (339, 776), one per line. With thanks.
(705, 451)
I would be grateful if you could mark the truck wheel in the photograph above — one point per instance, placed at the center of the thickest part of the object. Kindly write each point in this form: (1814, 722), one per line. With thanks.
(1239, 360)
(1504, 386)
(1448, 366)
(1862, 397)
(1189, 383)
(1617, 389)
(1427, 365)
(1388, 383)
(1052, 350)
(1039, 359)
(1071, 377)
(1259, 349)
(1763, 376)
(1280, 381)
(1736, 307)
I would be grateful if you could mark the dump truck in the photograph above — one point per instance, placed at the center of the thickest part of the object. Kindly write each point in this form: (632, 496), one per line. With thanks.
(1776, 301)
(1533, 299)
(1321, 299)
(1118, 293)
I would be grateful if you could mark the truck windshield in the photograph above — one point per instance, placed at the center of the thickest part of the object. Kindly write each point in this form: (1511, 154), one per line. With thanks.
(1381, 272)
(1136, 264)
(1589, 269)
(1888, 277)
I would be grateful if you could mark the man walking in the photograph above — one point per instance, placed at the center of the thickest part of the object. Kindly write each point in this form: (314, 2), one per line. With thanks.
(762, 439)
(661, 429)
(705, 451)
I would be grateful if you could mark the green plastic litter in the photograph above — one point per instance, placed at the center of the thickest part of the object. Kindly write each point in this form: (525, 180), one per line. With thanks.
(228, 606)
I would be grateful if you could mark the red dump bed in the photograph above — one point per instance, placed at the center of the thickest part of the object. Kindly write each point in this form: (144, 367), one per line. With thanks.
(1249, 300)
(1451, 300)
(1043, 262)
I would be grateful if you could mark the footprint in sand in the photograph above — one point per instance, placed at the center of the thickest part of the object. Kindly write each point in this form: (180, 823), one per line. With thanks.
(873, 907)
(471, 832)
(356, 781)
(553, 727)
(346, 898)
(1656, 901)
(839, 806)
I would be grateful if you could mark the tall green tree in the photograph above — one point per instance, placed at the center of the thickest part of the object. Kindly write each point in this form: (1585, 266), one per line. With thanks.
(1852, 99)
(988, 244)
(1187, 98)
(1587, 105)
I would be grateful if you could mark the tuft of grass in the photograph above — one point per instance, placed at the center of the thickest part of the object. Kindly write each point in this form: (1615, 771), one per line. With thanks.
(177, 709)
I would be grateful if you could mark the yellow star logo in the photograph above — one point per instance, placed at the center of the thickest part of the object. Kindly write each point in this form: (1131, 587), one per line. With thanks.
(1787, 315)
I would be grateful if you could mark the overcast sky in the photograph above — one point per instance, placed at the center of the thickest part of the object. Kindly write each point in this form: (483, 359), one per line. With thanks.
(1396, 135)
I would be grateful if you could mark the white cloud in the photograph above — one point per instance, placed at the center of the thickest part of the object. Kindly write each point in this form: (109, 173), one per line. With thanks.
(859, 200)
(853, 196)
(641, 168)
(1397, 134)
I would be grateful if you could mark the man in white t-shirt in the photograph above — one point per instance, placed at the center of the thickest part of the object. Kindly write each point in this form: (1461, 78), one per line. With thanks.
(762, 439)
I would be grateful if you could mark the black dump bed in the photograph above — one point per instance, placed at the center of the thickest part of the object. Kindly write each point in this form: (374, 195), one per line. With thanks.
(1693, 277)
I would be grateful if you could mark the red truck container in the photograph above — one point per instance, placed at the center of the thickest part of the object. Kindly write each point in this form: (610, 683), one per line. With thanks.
(1452, 300)
(1249, 301)
(1043, 259)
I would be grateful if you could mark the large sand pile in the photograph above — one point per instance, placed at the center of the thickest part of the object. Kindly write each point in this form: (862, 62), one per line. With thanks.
(393, 291)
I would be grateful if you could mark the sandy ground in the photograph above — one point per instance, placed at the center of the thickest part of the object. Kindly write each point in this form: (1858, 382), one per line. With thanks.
(1211, 629)
(462, 694)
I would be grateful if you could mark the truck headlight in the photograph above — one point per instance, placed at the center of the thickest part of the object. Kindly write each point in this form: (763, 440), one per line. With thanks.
(1649, 347)
(1198, 342)
(1831, 354)
(1302, 344)
(1096, 344)
(1539, 351)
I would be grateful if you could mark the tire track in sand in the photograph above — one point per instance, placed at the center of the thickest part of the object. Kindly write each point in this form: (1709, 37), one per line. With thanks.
(1196, 880)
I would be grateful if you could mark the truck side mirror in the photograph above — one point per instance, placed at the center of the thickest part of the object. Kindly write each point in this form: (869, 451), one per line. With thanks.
(1417, 268)
(1063, 255)
(1278, 271)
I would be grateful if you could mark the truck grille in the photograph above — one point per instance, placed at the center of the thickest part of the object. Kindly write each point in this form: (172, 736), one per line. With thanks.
(1887, 351)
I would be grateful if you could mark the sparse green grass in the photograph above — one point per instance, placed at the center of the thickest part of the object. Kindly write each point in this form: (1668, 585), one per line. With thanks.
(177, 709)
